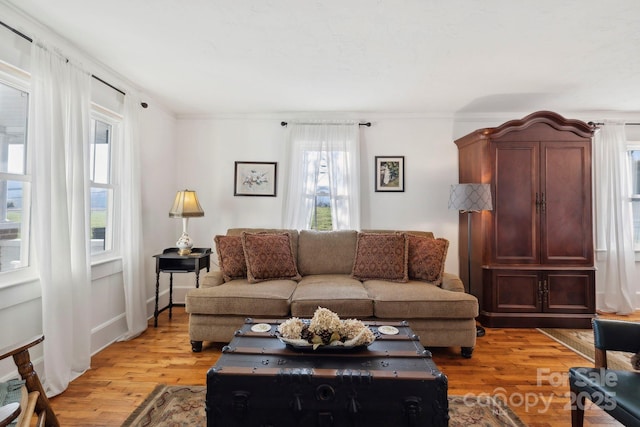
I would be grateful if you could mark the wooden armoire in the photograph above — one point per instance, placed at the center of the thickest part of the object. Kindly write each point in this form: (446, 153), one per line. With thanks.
(532, 256)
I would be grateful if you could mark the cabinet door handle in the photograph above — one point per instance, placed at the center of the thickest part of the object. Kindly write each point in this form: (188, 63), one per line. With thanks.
(537, 202)
(543, 203)
(540, 292)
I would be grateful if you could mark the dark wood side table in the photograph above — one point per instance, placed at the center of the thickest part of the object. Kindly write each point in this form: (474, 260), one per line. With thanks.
(170, 262)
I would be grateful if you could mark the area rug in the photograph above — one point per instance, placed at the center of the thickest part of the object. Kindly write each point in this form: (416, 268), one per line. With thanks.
(581, 342)
(172, 406)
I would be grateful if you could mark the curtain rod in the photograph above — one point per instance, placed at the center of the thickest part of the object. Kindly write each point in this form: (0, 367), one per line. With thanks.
(30, 40)
(367, 124)
(13, 30)
(602, 124)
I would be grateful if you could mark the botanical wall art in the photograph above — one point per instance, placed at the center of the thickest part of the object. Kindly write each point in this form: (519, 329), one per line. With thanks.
(389, 173)
(255, 179)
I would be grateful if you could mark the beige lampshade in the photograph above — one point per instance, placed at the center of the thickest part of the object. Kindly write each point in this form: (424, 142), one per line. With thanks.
(186, 205)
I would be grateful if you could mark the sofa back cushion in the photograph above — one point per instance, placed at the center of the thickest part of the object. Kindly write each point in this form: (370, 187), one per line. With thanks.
(326, 252)
(269, 256)
(415, 233)
(381, 256)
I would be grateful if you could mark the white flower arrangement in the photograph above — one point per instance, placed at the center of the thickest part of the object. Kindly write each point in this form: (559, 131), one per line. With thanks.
(325, 329)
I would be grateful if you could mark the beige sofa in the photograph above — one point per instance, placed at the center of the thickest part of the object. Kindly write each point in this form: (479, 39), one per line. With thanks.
(442, 314)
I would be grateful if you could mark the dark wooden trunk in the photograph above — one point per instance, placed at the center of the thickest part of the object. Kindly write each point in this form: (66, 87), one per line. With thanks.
(259, 382)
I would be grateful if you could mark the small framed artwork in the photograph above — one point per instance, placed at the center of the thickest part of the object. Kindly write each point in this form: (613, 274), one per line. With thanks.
(255, 179)
(389, 173)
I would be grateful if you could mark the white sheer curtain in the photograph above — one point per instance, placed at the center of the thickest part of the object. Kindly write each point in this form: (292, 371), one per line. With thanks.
(59, 133)
(333, 146)
(614, 219)
(128, 160)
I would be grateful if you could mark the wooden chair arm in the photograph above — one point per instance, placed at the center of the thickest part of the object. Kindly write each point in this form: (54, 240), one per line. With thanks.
(32, 382)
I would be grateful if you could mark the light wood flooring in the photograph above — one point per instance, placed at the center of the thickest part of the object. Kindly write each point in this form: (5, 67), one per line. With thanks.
(522, 365)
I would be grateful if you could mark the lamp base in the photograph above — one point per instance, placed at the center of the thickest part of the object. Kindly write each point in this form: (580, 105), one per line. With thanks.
(184, 244)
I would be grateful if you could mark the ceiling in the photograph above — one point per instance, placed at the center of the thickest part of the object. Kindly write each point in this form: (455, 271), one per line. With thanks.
(209, 57)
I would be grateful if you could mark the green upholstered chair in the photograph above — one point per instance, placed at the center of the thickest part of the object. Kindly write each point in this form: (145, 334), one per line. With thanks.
(615, 391)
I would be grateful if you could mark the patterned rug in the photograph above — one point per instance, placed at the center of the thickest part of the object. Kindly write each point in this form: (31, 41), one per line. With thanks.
(172, 406)
(581, 342)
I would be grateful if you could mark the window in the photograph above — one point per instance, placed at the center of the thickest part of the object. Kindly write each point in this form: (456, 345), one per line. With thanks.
(323, 187)
(634, 159)
(15, 182)
(102, 191)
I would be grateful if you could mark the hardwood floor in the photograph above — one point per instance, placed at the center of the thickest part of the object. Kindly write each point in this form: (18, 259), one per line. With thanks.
(522, 365)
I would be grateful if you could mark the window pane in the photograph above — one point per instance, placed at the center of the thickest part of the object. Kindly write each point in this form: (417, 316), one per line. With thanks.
(635, 171)
(635, 182)
(100, 152)
(13, 129)
(100, 203)
(12, 221)
(321, 213)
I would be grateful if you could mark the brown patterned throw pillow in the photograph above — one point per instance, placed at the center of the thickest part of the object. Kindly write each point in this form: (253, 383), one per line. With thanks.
(269, 256)
(231, 257)
(381, 256)
(426, 258)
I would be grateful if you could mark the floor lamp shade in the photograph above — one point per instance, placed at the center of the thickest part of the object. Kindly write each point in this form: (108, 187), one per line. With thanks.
(469, 198)
(185, 206)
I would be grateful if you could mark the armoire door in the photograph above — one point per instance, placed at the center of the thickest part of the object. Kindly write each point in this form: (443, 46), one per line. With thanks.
(565, 204)
(516, 223)
(513, 291)
(569, 291)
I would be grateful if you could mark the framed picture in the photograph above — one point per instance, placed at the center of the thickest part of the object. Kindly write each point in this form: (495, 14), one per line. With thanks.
(255, 179)
(389, 173)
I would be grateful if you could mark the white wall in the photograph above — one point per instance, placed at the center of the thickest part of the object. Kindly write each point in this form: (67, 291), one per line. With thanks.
(208, 148)
(159, 144)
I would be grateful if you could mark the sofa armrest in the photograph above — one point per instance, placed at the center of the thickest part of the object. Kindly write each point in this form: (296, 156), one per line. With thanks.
(451, 282)
(212, 278)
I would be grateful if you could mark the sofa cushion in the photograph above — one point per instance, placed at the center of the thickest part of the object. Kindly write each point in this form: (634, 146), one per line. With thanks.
(337, 292)
(426, 258)
(269, 256)
(419, 300)
(239, 297)
(326, 252)
(231, 257)
(381, 256)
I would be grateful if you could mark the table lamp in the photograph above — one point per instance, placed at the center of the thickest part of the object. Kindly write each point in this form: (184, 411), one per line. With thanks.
(185, 206)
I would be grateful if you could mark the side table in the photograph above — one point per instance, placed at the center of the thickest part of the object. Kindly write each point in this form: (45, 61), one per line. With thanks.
(170, 262)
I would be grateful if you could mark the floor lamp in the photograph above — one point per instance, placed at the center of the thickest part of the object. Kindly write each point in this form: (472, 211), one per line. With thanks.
(470, 198)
